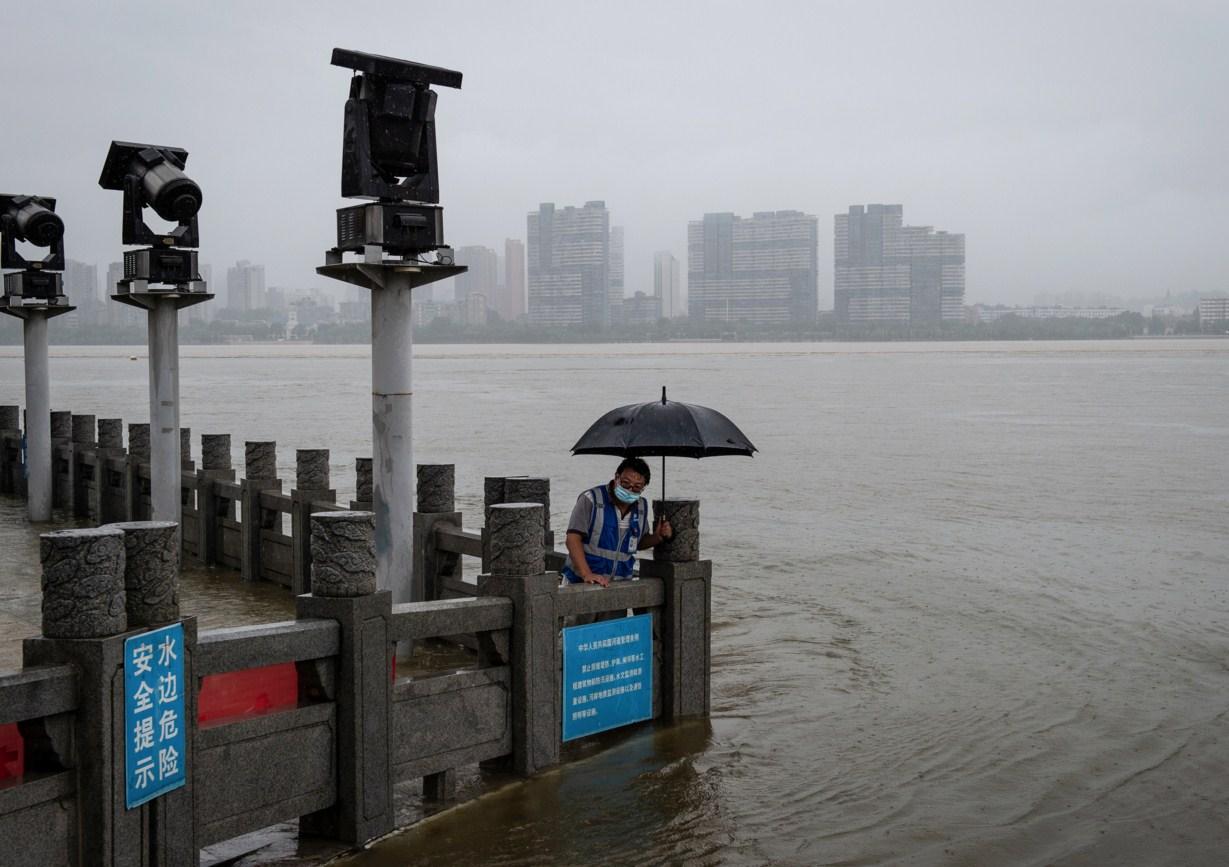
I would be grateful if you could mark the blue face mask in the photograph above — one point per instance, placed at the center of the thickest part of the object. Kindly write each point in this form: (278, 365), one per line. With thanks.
(624, 495)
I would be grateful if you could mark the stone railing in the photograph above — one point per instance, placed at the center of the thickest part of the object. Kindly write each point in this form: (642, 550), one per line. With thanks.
(349, 728)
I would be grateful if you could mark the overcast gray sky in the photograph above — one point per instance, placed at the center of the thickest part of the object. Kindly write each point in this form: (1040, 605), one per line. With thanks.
(1079, 146)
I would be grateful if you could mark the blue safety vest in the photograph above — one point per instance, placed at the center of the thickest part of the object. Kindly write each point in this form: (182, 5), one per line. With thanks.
(606, 552)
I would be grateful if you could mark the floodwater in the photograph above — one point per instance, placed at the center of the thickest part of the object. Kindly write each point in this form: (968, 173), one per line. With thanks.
(970, 605)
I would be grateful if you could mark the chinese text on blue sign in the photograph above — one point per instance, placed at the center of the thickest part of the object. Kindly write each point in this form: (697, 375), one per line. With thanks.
(607, 675)
(154, 760)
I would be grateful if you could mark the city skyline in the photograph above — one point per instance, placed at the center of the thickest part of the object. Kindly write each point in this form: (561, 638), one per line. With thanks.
(1090, 138)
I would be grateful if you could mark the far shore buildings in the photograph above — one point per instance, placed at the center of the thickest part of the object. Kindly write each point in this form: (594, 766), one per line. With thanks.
(569, 265)
(889, 272)
(760, 270)
(667, 286)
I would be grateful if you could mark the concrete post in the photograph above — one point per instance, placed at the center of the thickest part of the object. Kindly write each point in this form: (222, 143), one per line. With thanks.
(436, 507)
(108, 501)
(493, 488)
(135, 468)
(517, 573)
(260, 474)
(61, 458)
(10, 448)
(363, 485)
(83, 426)
(39, 455)
(392, 436)
(151, 572)
(185, 450)
(686, 649)
(187, 469)
(343, 563)
(311, 486)
(89, 634)
(164, 461)
(215, 466)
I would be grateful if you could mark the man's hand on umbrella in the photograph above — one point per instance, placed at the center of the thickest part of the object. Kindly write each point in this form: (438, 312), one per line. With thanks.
(664, 530)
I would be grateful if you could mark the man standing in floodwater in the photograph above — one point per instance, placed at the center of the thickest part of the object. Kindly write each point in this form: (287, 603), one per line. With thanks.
(607, 528)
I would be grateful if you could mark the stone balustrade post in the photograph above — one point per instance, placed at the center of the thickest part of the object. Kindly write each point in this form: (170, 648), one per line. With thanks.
(436, 507)
(136, 472)
(260, 474)
(85, 623)
(364, 485)
(151, 572)
(61, 459)
(684, 623)
(344, 589)
(79, 471)
(311, 486)
(187, 465)
(188, 500)
(532, 489)
(211, 509)
(106, 497)
(10, 448)
(517, 572)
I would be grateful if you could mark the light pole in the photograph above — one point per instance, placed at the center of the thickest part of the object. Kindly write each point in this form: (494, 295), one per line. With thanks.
(388, 154)
(161, 279)
(34, 294)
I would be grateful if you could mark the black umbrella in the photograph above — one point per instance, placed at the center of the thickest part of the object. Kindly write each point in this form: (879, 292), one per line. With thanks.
(666, 428)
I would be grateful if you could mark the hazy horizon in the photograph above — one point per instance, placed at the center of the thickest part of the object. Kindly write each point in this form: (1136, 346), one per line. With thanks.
(1077, 148)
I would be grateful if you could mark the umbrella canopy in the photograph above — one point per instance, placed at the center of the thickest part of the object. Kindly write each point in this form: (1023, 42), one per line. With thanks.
(666, 428)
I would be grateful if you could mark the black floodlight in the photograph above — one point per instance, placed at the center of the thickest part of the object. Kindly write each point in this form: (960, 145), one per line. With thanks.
(33, 220)
(152, 176)
(388, 149)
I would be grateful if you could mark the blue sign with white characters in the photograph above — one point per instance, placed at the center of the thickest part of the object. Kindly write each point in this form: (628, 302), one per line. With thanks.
(607, 675)
(154, 756)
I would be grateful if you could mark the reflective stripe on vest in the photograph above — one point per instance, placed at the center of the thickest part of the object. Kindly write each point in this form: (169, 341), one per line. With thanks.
(605, 552)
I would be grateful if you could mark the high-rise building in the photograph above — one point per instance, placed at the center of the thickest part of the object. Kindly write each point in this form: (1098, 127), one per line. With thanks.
(81, 287)
(245, 286)
(120, 315)
(511, 301)
(569, 265)
(666, 285)
(889, 272)
(483, 273)
(761, 270)
(616, 274)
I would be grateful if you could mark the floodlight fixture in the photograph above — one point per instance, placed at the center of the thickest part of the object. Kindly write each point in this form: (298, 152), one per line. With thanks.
(152, 176)
(37, 283)
(31, 219)
(389, 156)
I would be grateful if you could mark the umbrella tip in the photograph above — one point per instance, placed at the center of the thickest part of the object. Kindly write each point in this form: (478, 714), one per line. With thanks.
(663, 394)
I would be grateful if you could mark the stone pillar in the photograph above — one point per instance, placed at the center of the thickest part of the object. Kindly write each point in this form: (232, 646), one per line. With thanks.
(492, 495)
(516, 555)
(151, 572)
(686, 650)
(211, 509)
(136, 473)
(343, 566)
(85, 626)
(10, 448)
(107, 496)
(110, 433)
(185, 450)
(532, 489)
(61, 459)
(79, 471)
(311, 486)
(343, 554)
(364, 485)
(260, 471)
(83, 583)
(436, 508)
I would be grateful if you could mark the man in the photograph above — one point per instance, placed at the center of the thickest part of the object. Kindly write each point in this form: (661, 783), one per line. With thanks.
(608, 526)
